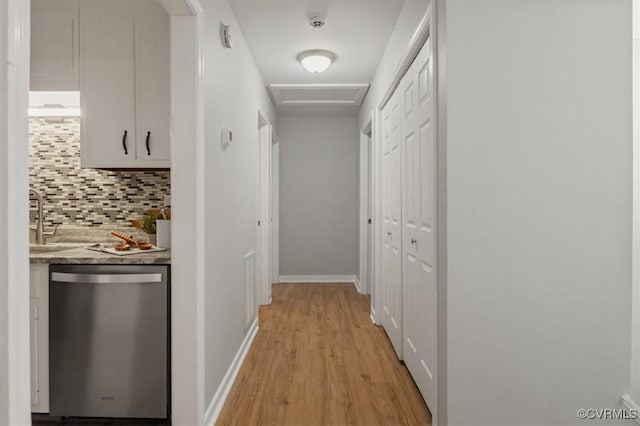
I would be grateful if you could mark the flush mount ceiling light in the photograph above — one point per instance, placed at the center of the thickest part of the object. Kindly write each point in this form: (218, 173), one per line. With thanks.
(316, 61)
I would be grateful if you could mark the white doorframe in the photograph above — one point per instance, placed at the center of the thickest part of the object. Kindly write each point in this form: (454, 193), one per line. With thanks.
(187, 261)
(275, 207)
(376, 141)
(632, 400)
(365, 187)
(187, 171)
(15, 395)
(263, 230)
(439, 34)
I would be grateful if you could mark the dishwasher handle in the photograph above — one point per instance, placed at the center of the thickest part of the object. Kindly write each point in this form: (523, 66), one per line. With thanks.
(65, 277)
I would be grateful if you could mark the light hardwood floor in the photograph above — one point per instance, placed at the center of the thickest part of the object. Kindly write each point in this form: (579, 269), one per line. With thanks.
(318, 360)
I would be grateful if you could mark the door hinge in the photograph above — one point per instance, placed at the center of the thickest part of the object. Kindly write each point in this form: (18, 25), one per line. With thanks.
(258, 223)
(369, 221)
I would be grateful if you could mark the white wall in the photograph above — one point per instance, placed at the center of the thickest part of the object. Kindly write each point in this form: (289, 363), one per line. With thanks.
(539, 209)
(234, 89)
(187, 301)
(318, 195)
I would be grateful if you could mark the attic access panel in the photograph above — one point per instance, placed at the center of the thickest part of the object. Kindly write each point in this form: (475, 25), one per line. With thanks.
(318, 94)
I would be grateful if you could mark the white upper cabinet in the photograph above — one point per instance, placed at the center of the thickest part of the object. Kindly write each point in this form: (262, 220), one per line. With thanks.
(107, 95)
(152, 64)
(124, 84)
(54, 45)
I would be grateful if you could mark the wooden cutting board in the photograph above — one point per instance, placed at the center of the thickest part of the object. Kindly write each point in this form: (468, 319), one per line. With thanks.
(130, 252)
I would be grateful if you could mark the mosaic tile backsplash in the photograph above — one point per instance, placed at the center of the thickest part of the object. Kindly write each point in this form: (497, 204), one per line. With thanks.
(85, 197)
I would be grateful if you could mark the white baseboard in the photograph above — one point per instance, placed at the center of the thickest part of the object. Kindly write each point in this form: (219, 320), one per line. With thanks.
(373, 316)
(351, 279)
(356, 281)
(630, 405)
(220, 397)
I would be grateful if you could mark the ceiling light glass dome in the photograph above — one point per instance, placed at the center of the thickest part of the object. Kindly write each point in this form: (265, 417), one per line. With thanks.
(316, 61)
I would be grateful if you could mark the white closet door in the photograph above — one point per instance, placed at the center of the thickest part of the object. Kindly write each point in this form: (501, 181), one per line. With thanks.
(392, 229)
(419, 226)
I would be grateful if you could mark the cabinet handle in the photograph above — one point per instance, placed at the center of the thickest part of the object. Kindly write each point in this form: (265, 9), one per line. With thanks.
(124, 143)
(147, 143)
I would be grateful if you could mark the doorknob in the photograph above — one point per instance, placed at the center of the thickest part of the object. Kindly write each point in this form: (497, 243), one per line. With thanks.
(388, 234)
(414, 241)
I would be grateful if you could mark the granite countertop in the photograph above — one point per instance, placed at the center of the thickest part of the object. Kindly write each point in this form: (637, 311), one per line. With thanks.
(83, 255)
(69, 247)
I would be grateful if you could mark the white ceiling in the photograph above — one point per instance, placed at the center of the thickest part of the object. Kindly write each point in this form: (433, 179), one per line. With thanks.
(357, 31)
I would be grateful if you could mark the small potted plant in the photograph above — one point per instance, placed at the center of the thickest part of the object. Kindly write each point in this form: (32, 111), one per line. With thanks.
(148, 225)
(163, 228)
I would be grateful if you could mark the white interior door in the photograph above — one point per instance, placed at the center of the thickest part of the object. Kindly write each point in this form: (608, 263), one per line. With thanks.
(264, 217)
(392, 230)
(419, 226)
(275, 210)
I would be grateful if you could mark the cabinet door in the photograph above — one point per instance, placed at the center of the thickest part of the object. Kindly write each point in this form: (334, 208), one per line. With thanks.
(39, 330)
(35, 330)
(107, 97)
(54, 45)
(152, 71)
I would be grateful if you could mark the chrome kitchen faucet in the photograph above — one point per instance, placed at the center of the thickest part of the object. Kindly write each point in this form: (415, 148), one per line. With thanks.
(40, 234)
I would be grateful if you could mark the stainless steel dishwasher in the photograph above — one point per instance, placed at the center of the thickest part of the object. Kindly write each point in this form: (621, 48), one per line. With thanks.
(108, 345)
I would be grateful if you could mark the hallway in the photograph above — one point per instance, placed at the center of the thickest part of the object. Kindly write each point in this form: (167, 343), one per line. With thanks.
(318, 360)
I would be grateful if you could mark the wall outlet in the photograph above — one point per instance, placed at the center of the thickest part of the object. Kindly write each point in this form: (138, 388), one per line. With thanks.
(167, 200)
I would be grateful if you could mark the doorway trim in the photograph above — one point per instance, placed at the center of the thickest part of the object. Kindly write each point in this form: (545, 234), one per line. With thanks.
(188, 261)
(275, 207)
(376, 211)
(365, 261)
(187, 324)
(15, 395)
(632, 400)
(263, 201)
